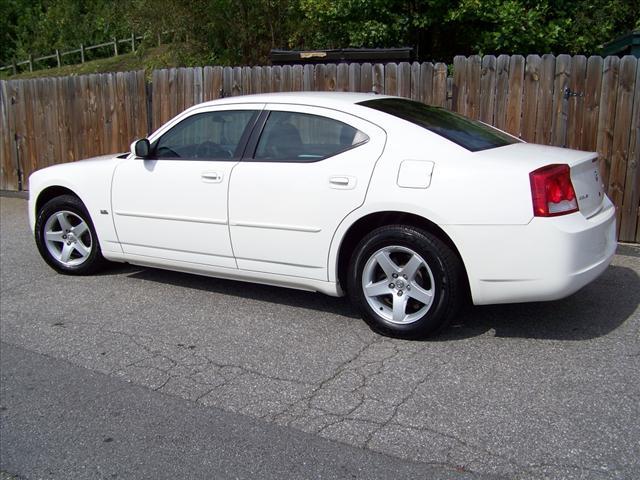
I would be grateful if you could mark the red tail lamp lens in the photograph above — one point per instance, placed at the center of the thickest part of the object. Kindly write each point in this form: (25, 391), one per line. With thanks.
(552, 191)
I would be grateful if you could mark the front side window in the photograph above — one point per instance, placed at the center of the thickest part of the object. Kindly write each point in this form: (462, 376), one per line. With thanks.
(203, 136)
(302, 137)
(470, 134)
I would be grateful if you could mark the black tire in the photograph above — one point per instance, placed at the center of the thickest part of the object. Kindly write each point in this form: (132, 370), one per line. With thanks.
(77, 264)
(442, 275)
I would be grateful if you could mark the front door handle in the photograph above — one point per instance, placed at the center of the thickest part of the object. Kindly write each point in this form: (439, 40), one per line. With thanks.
(343, 182)
(211, 177)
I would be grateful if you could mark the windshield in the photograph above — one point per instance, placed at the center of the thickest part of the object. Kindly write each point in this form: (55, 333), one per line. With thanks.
(470, 134)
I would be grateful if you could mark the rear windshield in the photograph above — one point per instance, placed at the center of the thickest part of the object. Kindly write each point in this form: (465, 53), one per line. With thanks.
(470, 134)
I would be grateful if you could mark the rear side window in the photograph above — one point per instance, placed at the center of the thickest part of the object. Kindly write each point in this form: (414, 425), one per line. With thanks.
(470, 134)
(302, 137)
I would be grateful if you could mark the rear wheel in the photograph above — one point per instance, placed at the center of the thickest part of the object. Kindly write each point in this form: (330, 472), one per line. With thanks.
(406, 282)
(66, 237)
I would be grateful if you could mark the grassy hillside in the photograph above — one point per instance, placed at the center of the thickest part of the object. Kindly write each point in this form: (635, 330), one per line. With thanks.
(147, 59)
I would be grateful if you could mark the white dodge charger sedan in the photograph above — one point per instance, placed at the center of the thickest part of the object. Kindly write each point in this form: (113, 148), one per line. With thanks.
(406, 208)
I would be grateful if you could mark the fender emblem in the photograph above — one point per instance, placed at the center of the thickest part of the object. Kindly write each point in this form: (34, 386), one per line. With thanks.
(104, 212)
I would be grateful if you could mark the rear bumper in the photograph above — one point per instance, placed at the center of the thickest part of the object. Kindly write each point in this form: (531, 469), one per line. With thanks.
(548, 259)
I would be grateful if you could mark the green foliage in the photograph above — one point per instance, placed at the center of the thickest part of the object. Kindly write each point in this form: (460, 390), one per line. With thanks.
(244, 31)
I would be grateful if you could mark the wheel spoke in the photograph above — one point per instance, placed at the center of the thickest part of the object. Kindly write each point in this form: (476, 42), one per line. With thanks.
(63, 221)
(399, 308)
(420, 294)
(80, 229)
(388, 266)
(379, 288)
(54, 236)
(412, 267)
(81, 248)
(65, 255)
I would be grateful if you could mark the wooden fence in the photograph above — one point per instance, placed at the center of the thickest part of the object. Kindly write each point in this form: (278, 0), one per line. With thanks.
(585, 103)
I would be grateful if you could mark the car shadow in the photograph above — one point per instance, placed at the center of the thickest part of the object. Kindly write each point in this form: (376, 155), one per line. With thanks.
(594, 311)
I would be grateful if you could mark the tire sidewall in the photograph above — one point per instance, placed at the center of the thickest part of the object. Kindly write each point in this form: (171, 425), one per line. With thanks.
(424, 246)
(72, 204)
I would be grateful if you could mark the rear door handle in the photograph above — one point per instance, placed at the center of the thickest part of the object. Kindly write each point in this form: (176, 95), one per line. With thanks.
(344, 182)
(211, 177)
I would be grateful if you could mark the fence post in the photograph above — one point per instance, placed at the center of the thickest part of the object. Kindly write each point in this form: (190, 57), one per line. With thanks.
(133, 42)
(14, 66)
(81, 53)
(58, 58)
(115, 47)
(31, 62)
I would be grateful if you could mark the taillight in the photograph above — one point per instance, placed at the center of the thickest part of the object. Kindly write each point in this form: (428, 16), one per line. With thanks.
(552, 192)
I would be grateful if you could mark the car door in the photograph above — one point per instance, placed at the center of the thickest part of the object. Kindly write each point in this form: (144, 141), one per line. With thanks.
(309, 167)
(173, 204)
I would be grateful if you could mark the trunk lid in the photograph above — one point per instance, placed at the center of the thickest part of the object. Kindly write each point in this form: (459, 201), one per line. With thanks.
(585, 174)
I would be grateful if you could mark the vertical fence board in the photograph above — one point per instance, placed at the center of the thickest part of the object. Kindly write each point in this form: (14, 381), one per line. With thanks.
(544, 116)
(378, 76)
(297, 78)
(366, 78)
(416, 84)
(342, 82)
(630, 215)
(488, 89)
(391, 79)
(593, 85)
(474, 71)
(502, 90)
(577, 85)
(607, 116)
(440, 85)
(8, 171)
(426, 83)
(514, 100)
(531, 97)
(621, 133)
(560, 102)
(404, 79)
(458, 92)
(354, 77)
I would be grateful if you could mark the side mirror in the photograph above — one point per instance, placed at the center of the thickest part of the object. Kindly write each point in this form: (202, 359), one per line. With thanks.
(141, 148)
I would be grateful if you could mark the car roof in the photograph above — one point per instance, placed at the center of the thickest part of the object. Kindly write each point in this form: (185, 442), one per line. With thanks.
(320, 99)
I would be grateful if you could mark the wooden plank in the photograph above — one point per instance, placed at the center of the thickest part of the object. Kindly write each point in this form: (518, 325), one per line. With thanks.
(64, 117)
(377, 78)
(297, 78)
(227, 81)
(246, 80)
(606, 119)
(286, 78)
(514, 101)
(630, 214)
(404, 79)
(488, 89)
(459, 86)
(366, 77)
(593, 86)
(621, 133)
(8, 170)
(544, 117)
(426, 83)
(502, 91)
(236, 83)
(330, 77)
(308, 78)
(318, 75)
(198, 79)
(560, 102)
(577, 86)
(354, 77)
(531, 97)
(276, 78)
(342, 77)
(266, 79)
(256, 80)
(391, 79)
(474, 70)
(440, 85)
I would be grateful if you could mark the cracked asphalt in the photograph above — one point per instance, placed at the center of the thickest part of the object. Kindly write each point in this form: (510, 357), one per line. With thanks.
(548, 390)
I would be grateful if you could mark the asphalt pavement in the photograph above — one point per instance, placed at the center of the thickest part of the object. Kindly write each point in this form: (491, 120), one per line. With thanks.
(144, 373)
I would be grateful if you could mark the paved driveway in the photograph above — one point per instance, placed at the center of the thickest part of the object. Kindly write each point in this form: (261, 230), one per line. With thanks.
(527, 391)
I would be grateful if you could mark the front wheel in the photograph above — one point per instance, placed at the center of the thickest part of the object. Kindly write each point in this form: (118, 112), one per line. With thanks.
(406, 282)
(66, 238)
